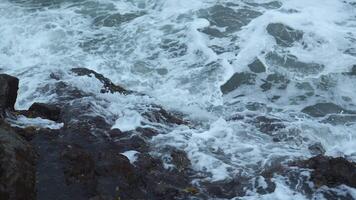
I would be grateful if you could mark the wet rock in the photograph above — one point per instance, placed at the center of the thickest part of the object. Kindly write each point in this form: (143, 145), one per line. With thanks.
(257, 66)
(108, 85)
(17, 166)
(147, 132)
(268, 125)
(79, 165)
(330, 171)
(228, 189)
(160, 115)
(317, 149)
(45, 111)
(284, 35)
(353, 71)
(132, 143)
(8, 91)
(323, 109)
(340, 119)
(180, 159)
(174, 47)
(237, 80)
(275, 80)
(227, 18)
(116, 19)
(291, 63)
(269, 5)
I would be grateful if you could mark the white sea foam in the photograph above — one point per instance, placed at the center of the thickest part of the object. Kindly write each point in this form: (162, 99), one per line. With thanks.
(165, 54)
(24, 122)
(131, 155)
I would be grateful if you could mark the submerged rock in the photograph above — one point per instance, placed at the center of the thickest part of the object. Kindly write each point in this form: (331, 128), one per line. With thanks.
(8, 92)
(115, 19)
(284, 35)
(330, 171)
(237, 80)
(257, 66)
(275, 80)
(269, 125)
(323, 109)
(316, 149)
(17, 166)
(180, 160)
(291, 63)
(226, 18)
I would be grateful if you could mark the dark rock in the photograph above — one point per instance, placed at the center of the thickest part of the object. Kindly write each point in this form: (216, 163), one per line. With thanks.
(268, 125)
(353, 70)
(257, 66)
(237, 80)
(8, 92)
(116, 19)
(108, 85)
(291, 63)
(160, 115)
(180, 160)
(45, 111)
(323, 109)
(269, 5)
(17, 166)
(284, 35)
(336, 119)
(228, 18)
(330, 171)
(317, 149)
(132, 143)
(275, 80)
(78, 166)
(228, 189)
(147, 132)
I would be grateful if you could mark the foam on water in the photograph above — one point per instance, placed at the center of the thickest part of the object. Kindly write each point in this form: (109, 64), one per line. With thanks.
(177, 52)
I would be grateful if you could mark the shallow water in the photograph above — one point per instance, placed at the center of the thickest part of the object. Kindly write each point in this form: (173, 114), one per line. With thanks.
(182, 52)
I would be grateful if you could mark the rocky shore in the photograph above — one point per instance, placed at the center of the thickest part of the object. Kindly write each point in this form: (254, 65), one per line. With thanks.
(85, 158)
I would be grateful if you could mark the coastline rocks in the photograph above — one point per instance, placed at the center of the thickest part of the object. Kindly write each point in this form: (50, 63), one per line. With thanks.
(237, 80)
(330, 171)
(45, 111)
(284, 35)
(83, 160)
(8, 92)
(268, 125)
(323, 109)
(17, 166)
(108, 85)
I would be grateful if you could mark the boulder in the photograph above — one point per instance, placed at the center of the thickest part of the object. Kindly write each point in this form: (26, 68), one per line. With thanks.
(257, 66)
(237, 80)
(45, 111)
(108, 86)
(180, 159)
(323, 109)
(331, 171)
(8, 92)
(284, 35)
(268, 125)
(17, 166)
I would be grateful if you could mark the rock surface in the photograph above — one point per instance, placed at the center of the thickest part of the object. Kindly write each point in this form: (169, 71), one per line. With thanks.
(45, 111)
(237, 80)
(284, 35)
(330, 171)
(17, 166)
(8, 92)
(323, 109)
(108, 85)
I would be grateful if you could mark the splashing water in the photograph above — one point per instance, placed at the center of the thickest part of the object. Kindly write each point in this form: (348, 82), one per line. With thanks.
(232, 67)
